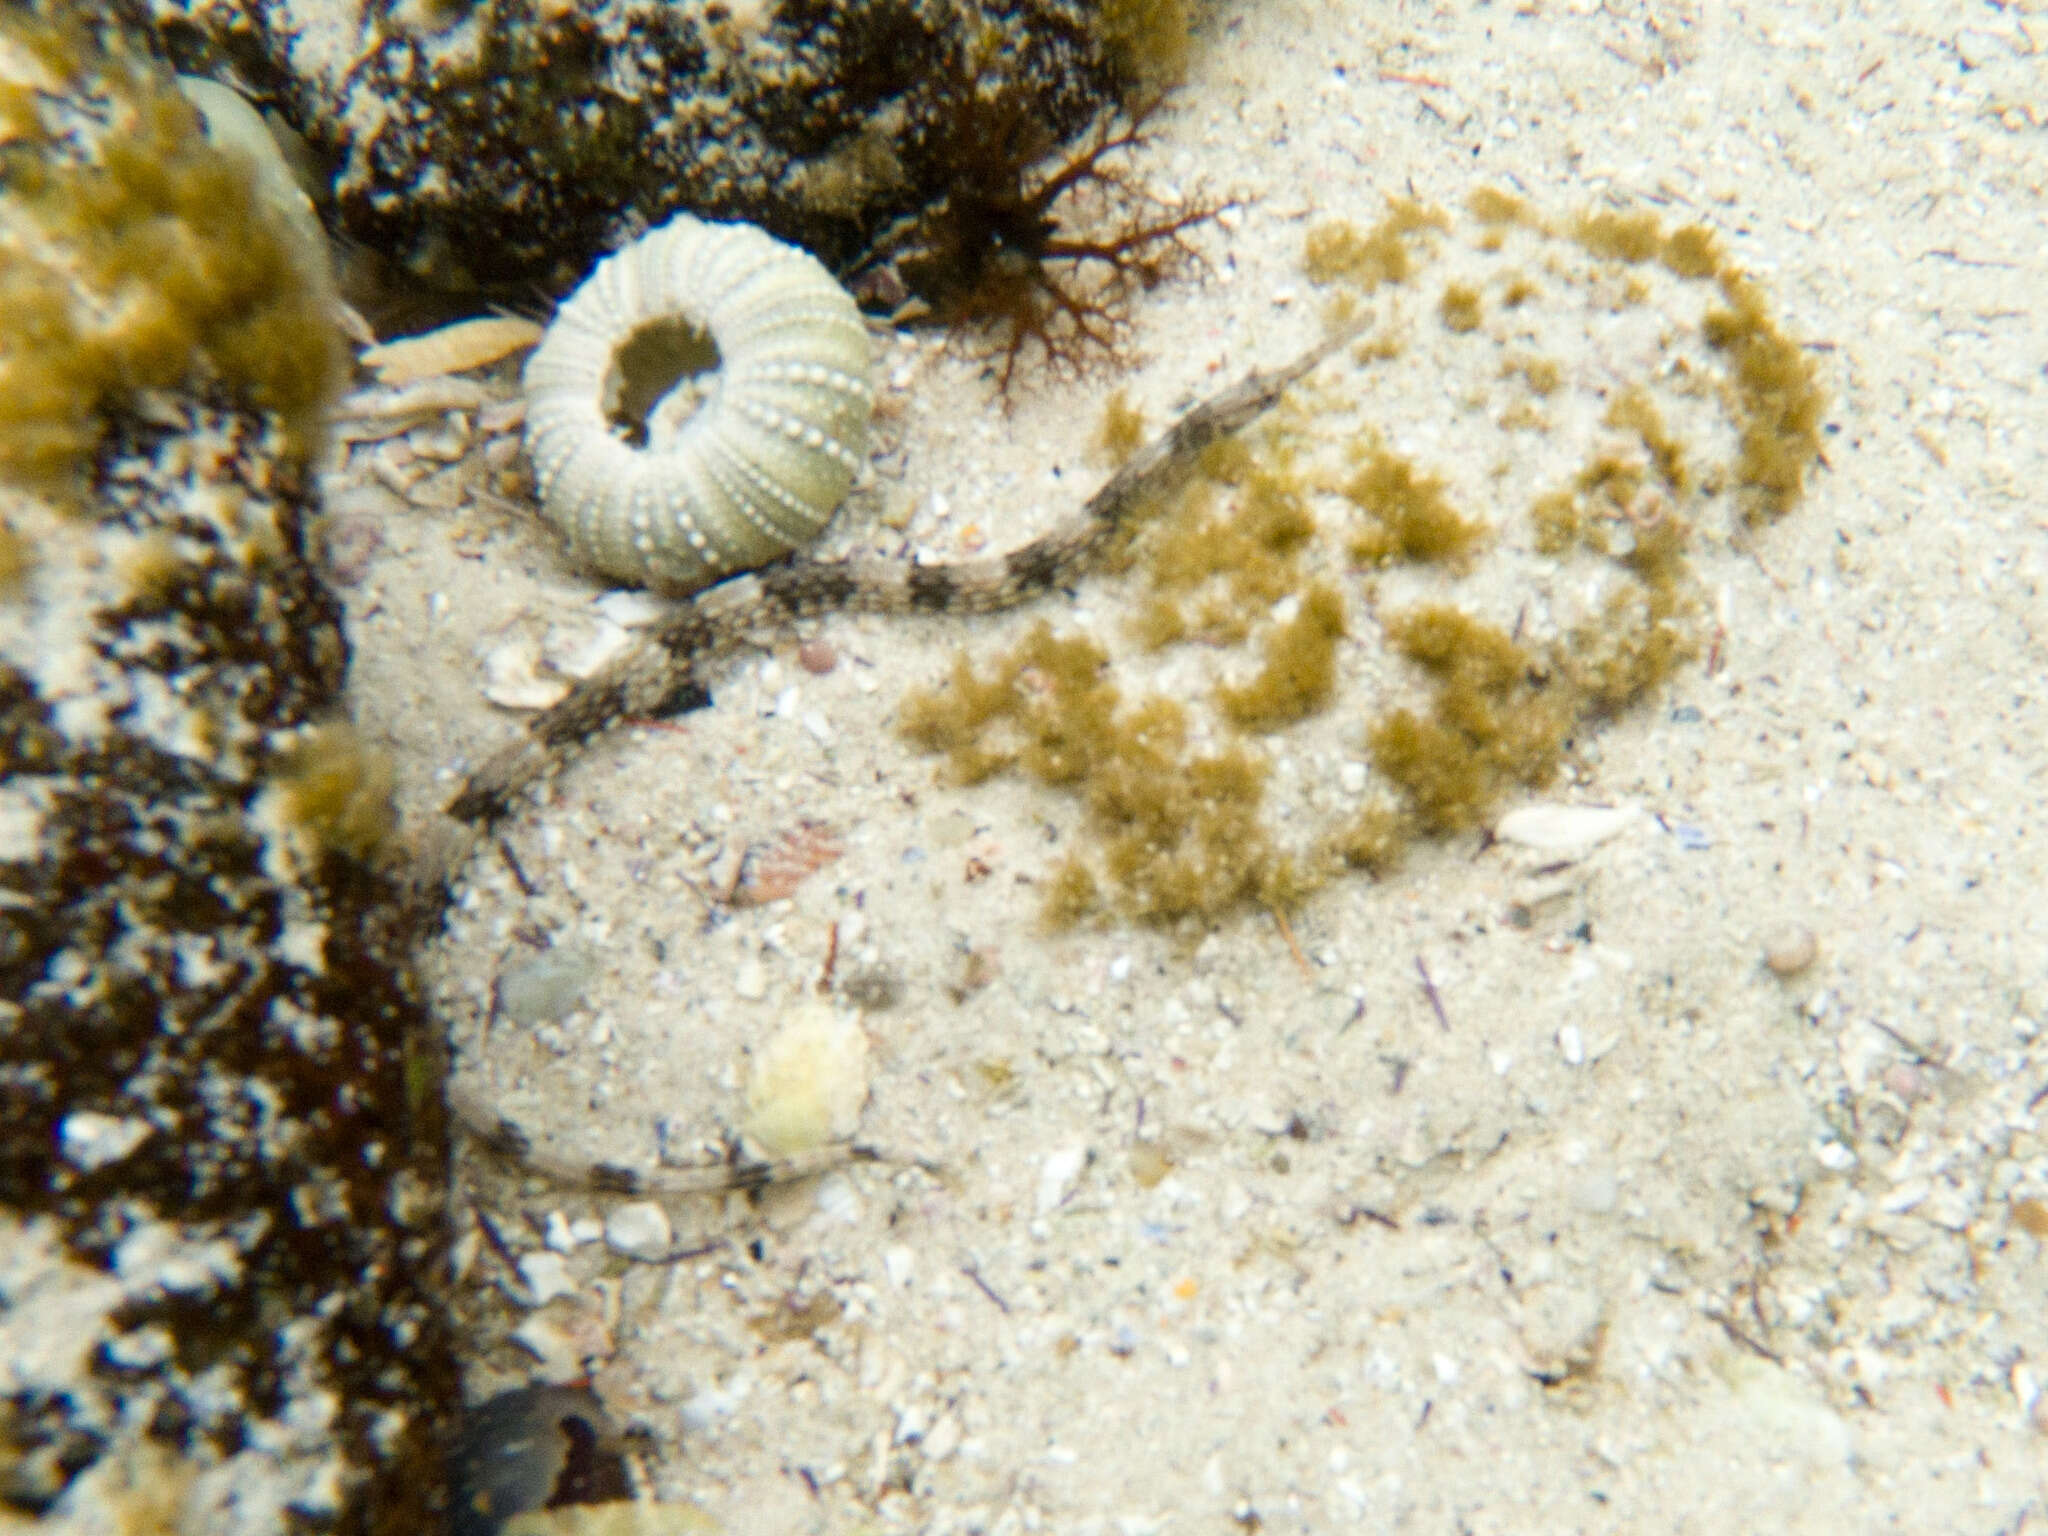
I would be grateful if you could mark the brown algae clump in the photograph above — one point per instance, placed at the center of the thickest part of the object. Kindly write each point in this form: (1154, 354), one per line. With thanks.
(1217, 562)
(1778, 400)
(1392, 574)
(1496, 720)
(1410, 516)
(1390, 252)
(1300, 670)
(1460, 308)
(1177, 828)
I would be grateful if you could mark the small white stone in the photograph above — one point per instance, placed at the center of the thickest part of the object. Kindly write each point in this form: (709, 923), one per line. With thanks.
(750, 980)
(552, 1345)
(942, 1439)
(1351, 778)
(1596, 1192)
(639, 1230)
(89, 1140)
(512, 677)
(837, 1199)
(582, 649)
(146, 1347)
(1835, 1157)
(1057, 1175)
(715, 1403)
(899, 1264)
(1571, 1044)
(546, 1276)
(558, 1234)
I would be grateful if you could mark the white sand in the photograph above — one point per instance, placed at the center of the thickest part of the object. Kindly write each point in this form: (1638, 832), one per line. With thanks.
(1769, 1257)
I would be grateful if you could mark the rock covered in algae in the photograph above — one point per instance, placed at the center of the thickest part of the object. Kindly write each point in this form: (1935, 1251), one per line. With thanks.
(221, 1162)
(508, 143)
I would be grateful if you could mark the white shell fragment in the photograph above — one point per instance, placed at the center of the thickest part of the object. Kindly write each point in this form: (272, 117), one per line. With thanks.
(453, 348)
(514, 679)
(808, 1084)
(753, 471)
(639, 1230)
(1057, 1176)
(1562, 828)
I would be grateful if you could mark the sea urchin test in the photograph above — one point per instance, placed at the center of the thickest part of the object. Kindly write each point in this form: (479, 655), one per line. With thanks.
(760, 359)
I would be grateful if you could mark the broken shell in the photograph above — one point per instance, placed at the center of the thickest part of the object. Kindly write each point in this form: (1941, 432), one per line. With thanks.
(513, 678)
(582, 648)
(1562, 828)
(452, 349)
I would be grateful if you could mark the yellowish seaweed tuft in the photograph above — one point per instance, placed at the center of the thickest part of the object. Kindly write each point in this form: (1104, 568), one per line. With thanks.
(1120, 433)
(1173, 790)
(337, 788)
(1630, 237)
(1460, 308)
(1495, 723)
(1778, 400)
(156, 266)
(1300, 668)
(1147, 42)
(1409, 515)
(1387, 253)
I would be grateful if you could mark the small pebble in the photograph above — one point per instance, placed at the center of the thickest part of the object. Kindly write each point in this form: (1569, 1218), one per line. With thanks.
(817, 657)
(350, 544)
(1906, 1080)
(639, 1230)
(1057, 1175)
(89, 1140)
(512, 678)
(1790, 948)
(899, 1264)
(542, 989)
(546, 1276)
(582, 650)
(552, 1346)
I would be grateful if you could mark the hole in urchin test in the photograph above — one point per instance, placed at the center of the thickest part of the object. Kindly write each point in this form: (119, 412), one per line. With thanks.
(659, 378)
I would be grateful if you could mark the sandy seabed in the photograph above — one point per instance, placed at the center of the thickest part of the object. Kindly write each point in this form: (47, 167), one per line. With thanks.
(1512, 1192)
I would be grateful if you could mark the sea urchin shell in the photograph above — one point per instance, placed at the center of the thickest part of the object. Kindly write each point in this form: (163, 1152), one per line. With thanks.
(779, 423)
